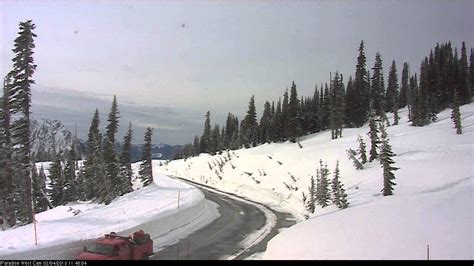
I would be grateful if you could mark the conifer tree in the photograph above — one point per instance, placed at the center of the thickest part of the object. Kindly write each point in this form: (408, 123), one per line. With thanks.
(196, 145)
(311, 200)
(250, 126)
(110, 156)
(338, 192)
(294, 124)
(285, 115)
(464, 77)
(92, 167)
(20, 91)
(336, 106)
(56, 177)
(373, 134)
(206, 135)
(215, 139)
(323, 196)
(456, 114)
(265, 124)
(361, 87)
(404, 98)
(125, 172)
(70, 191)
(377, 88)
(352, 156)
(362, 150)
(386, 162)
(352, 102)
(41, 200)
(145, 172)
(391, 95)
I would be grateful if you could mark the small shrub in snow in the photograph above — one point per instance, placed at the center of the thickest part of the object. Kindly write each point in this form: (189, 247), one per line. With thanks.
(279, 162)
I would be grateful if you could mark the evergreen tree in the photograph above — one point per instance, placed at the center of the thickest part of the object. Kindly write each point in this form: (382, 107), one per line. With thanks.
(285, 115)
(361, 88)
(294, 119)
(316, 109)
(110, 156)
(352, 102)
(56, 177)
(464, 78)
(265, 124)
(215, 140)
(386, 162)
(70, 192)
(145, 172)
(196, 145)
(326, 109)
(471, 69)
(362, 150)
(422, 99)
(206, 135)
(278, 123)
(41, 200)
(456, 114)
(404, 89)
(373, 134)
(352, 156)
(338, 192)
(310, 202)
(391, 95)
(20, 91)
(93, 167)
(125, 171)
(377, 88)
(250, 126)
(323, 196)
(413, 100)
(336, 114)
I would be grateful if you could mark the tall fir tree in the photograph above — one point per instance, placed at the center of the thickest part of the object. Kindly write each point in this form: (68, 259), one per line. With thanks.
(70, 182)
(464, 78)
(377, 89)
(373, 134)
(362, 150)
(93, 168)
(294, 115)
(353, 102)
(265, 124)
(336, 114)
(310, 203)
(391, 95)
(404, 88)
(20, 91)
(456, 114)
(110, 156)
(125, 171)
(323, 197)
(339, 196)
(206, 135)
(361, 88)
(145, 171)
(285, 115)
(386, 163)
(57, 182)
(250, 126)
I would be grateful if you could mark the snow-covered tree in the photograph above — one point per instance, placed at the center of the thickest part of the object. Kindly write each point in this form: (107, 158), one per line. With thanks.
(125, 172)
(339, 197)
(145, 172)
(362, 150)
(386, 162)
(110, 156)
(323, 196)
(456, 114)
(373, 134)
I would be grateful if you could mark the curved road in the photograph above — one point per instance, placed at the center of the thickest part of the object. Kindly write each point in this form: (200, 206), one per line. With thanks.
(222, 237)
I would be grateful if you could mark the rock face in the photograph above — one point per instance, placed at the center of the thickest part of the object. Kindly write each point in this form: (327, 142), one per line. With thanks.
(49, 137)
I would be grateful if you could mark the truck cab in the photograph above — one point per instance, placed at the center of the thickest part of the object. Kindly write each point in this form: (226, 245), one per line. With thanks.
(114, 247)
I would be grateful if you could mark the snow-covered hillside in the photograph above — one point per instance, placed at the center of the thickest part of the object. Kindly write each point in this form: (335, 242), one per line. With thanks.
(432, 202)
(63, 230)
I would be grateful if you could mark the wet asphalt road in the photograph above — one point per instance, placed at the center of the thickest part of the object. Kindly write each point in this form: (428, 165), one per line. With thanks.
(222, 237)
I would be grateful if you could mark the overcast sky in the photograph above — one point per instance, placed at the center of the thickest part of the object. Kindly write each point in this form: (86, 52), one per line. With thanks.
(169, 62)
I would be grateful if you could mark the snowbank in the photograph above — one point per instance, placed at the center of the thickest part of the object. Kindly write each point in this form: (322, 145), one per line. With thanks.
(62, 233)
(432, 205)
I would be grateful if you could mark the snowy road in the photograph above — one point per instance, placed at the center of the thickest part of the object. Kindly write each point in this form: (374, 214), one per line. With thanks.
(243, 230)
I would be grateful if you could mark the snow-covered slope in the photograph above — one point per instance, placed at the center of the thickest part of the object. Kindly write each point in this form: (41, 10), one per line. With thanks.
(63, 231)
(432, 205)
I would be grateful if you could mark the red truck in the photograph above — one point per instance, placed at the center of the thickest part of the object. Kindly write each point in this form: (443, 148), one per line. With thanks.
(114, 247)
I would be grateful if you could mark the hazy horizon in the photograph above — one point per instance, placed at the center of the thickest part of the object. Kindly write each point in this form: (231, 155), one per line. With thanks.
(169, 62)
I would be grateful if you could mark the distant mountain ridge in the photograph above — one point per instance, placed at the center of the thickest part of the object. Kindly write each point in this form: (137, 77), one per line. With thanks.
(49, 137)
